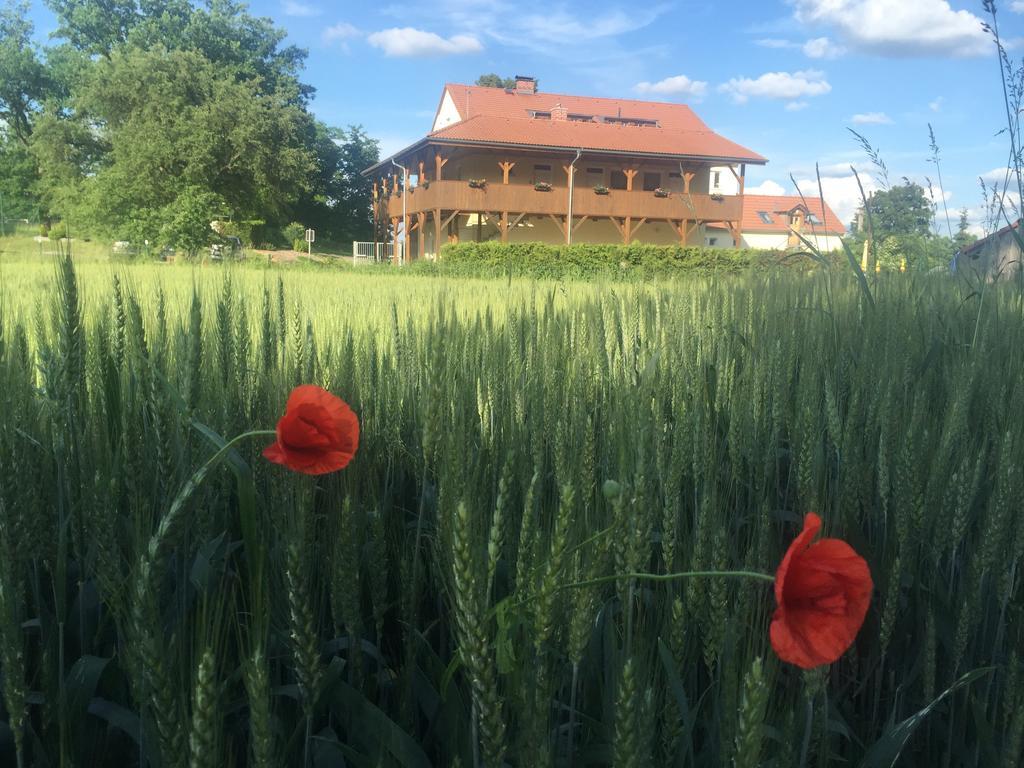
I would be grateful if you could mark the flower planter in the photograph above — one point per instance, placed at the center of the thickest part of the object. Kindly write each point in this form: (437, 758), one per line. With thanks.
(477, 183)
(600, 190)
(659, 192)
(542, 186)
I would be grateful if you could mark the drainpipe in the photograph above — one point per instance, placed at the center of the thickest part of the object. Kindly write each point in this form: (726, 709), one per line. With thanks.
(405, 202)
(572, 183)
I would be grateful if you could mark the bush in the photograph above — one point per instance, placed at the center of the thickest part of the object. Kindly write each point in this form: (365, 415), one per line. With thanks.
(584, 260)
(58, 231)
(294, 231)
(299, 244)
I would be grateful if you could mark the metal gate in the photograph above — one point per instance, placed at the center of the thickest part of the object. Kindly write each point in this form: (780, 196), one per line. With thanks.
(373, 252)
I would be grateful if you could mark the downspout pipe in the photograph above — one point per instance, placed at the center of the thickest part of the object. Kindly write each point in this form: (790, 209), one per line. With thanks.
(572, 184)
(405, 209)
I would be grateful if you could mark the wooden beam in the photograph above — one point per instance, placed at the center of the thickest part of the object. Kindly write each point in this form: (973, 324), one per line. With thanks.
(743, 177)
(627, 230)
(638, 225)
(421, 237)
(517, 219)
(579, 223)
(503, 226)
(734, 174)
(437, 233)
(692, 229)
(630, 173)
(688, 177)
(618, 226)
(735, 229)
(419, 179)
(449, 219)
(558, 221)
(505, 166)
(439, 163)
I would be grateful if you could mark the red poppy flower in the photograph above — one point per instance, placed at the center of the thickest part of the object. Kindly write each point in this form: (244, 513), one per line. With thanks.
(823, 591)
(318, 433)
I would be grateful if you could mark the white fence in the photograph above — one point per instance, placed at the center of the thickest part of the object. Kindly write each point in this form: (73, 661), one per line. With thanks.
(373, 252)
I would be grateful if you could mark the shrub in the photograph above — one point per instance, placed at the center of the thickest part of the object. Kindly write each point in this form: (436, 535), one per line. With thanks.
(58, 231)
(636, 261)
(299, 244)
(294, 231)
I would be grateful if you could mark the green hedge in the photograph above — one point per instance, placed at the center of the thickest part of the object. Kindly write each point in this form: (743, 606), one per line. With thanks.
(638, 261)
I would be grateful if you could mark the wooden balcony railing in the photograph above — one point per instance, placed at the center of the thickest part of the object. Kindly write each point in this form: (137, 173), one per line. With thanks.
(520, 198)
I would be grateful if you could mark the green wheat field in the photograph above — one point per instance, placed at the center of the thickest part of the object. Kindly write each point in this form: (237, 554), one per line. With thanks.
(517, 437)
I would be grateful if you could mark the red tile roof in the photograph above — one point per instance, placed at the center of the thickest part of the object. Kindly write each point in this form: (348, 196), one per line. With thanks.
(505, 117)
(473, 100)
(778, 208)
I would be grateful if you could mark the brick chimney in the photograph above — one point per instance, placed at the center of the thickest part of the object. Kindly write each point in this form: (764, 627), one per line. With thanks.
(558, 112)
(525, 84)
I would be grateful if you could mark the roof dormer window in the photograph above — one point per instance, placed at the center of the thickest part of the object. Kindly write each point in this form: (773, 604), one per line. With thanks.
(766, 218)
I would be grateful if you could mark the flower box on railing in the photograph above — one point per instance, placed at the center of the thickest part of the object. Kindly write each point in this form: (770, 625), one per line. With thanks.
(542, 186)
(600, 189)
(478, 183)
(660, 192)
(717, 196)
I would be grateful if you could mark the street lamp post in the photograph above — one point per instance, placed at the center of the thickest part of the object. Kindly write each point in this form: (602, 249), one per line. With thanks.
(405, 219)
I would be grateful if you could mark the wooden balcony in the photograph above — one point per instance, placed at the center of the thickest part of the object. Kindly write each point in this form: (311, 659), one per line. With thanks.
(520, 198)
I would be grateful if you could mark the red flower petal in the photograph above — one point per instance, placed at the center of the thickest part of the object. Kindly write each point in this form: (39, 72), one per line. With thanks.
(823, 591)
(318, 433)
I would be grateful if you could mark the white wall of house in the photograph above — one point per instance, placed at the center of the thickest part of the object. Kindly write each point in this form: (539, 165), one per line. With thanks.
(727, 184)
(446, 113)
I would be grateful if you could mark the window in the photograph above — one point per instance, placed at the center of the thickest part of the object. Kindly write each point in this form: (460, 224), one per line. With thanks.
(580, 118)
(541, 173)
(618, 180)
(766, 217)
(652, 180)
(813, 219)
(674, 175)
(542, 115)
(711, 241)
(716, 179)
(595, 176)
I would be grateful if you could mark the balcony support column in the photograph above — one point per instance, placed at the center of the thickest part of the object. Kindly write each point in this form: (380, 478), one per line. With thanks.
(439, 163)
(394, 240)
(505, 166)
(504, 226)
(421, 234)
(437, 234)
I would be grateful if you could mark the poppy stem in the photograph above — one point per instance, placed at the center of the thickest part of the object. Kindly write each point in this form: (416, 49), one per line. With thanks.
(673, 577)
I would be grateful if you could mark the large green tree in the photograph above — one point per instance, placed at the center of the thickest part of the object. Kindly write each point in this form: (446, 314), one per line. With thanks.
(901, 210)
(174, 120)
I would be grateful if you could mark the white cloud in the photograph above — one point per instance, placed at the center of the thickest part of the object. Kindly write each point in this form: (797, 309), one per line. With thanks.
(774, 42)
(339, 33)
(678, 85)
(822, 48)
(408, 41)
(777, 85)
(936, 105)
(297, 8)
(766, 187)
(840, 192)
(796, 106)
(551, 25)
(899, 28)
(1017, 6)
(996, 175)
(871, 118)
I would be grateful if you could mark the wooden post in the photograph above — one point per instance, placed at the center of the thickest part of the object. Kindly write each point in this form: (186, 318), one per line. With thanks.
(437, 234)
(627, 229)
(687, 178)
(479, 226)
(630, 173)
(394, 239)
(743, 177)
(504, 226)
(438, 165)
(419, 179)
(421, 234)
(375, 192)
(505, 166)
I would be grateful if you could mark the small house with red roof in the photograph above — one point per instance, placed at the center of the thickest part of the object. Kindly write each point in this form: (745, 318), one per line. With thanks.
(782, 222)
(519, 165)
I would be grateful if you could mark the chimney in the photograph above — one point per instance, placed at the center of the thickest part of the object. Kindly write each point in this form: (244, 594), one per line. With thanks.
(525, 84)
(558, 112)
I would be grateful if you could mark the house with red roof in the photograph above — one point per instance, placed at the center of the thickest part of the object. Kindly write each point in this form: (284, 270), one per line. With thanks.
(521, 165)
(781, 222)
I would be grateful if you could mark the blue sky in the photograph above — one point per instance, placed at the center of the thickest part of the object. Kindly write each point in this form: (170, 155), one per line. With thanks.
(782, 77)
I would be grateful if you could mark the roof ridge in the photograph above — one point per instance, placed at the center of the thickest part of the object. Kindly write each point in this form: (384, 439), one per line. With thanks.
(574, 95)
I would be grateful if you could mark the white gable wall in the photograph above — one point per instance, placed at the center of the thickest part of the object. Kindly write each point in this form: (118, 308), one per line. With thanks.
(446, 113)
